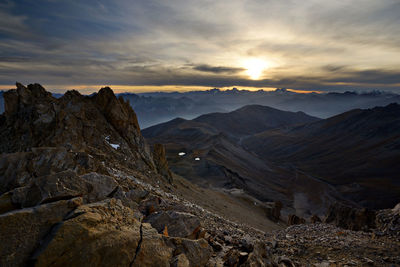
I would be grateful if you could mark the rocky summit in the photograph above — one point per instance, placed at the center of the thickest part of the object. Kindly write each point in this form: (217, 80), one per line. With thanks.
(79, 186)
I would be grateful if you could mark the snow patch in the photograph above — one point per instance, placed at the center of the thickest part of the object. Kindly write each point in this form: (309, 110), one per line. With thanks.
(181, 153)
(115, 146)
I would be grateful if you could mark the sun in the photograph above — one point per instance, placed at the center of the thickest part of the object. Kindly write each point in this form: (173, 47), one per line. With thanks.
(255, 67)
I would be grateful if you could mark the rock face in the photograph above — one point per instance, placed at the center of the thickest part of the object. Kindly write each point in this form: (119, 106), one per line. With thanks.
(160, 161)
(100, 125)
(63, 198)
(351, 218)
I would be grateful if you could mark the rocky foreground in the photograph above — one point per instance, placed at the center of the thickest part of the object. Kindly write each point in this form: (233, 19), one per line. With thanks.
(80, 187)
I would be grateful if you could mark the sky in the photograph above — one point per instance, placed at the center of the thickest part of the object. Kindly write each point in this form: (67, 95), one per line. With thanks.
(182, 44)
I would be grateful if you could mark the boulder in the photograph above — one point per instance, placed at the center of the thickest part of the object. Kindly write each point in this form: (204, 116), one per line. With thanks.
(179, 224)
(22, 231)
(103, 234)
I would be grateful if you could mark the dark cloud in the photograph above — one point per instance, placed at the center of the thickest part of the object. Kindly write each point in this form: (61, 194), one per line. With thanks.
(219, 69)
(314, 44)
(371, 77)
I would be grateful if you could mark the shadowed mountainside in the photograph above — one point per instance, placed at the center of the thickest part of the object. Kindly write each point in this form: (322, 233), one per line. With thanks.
(358, 152)
(214, 157)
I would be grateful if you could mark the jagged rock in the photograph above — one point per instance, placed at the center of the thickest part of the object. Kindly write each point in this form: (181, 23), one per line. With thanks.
(19, 169)
(315, 219)
(294, 219)
(100, 125)
(23, 230)
(160, 161)
(107, 234)
(351, 218)
(64, 185)
(180, 224)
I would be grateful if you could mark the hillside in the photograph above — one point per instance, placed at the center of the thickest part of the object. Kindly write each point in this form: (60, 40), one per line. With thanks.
(358, 152)
(222, 162)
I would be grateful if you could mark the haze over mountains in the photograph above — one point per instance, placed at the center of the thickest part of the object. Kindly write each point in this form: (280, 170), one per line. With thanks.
(157, 107)
(153, 108)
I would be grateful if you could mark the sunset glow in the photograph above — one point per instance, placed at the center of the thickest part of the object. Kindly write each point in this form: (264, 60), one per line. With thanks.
(255, 68)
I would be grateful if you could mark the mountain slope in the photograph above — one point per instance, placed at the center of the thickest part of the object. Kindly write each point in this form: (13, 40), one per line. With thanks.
(357, 151)
(214, 157)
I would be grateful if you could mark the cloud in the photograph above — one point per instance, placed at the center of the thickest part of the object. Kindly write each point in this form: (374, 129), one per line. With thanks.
(219, 69)
(309, 45)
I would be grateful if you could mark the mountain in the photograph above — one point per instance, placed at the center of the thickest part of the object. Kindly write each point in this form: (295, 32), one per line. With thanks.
(214, 157)
(253, 119)
(157, 107)
(79, 186)
(358, 152)
(77, 178)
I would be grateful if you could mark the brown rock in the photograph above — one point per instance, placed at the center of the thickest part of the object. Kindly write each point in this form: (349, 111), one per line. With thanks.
(107, 234)
(294, 219)
(273, 210)
(23, 230)
(180, 261)
(180, 224)
(161, 163)
(64, 185)
(315, 219)
(351, 218)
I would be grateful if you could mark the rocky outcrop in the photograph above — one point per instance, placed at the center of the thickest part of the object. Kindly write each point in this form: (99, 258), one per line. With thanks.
(23, 230)
(273, 210)
(351, 218)
(100, 125)
(294, 219)
(63, 198)
(161, 162)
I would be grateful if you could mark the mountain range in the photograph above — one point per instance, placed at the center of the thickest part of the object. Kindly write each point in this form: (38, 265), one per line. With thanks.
(158, 107)
(305, 162)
